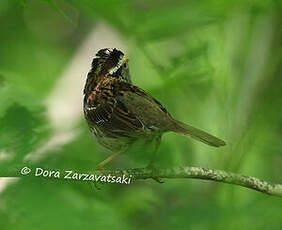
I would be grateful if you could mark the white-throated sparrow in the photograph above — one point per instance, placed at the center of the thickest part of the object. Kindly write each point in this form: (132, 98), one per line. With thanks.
(118, 113)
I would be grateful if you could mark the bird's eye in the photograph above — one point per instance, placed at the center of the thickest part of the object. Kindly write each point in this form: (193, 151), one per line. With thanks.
(125, 65)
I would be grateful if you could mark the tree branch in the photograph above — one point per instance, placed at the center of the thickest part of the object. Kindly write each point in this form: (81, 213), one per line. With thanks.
(173, 173)
(211, 174)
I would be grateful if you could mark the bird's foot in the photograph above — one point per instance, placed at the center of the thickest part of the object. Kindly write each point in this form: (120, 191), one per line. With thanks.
(96, 185)
(100, 168)
(155, 171)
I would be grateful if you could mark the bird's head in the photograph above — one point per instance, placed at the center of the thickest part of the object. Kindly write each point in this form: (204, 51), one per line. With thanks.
(111, 63)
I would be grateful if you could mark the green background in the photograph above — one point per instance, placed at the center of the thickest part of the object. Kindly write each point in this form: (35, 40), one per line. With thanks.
(213, 64)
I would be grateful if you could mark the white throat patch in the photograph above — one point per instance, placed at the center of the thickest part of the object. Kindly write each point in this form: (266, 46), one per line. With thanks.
(121, 61)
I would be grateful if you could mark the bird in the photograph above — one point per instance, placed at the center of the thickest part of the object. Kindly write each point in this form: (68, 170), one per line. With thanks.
(119, 113)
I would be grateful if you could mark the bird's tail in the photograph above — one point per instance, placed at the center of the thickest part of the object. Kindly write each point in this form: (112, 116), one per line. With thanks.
(187, 130)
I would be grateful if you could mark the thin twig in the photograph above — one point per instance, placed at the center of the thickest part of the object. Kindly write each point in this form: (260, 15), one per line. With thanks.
(174, 173)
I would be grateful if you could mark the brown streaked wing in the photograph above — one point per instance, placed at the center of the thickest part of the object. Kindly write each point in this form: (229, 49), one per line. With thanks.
(116, 119)
(127, 87)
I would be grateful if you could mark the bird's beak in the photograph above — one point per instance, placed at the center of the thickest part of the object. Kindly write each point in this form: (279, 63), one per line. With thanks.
(125, 59)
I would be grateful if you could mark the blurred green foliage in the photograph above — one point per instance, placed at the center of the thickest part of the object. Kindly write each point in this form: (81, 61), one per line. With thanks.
(213, 64)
